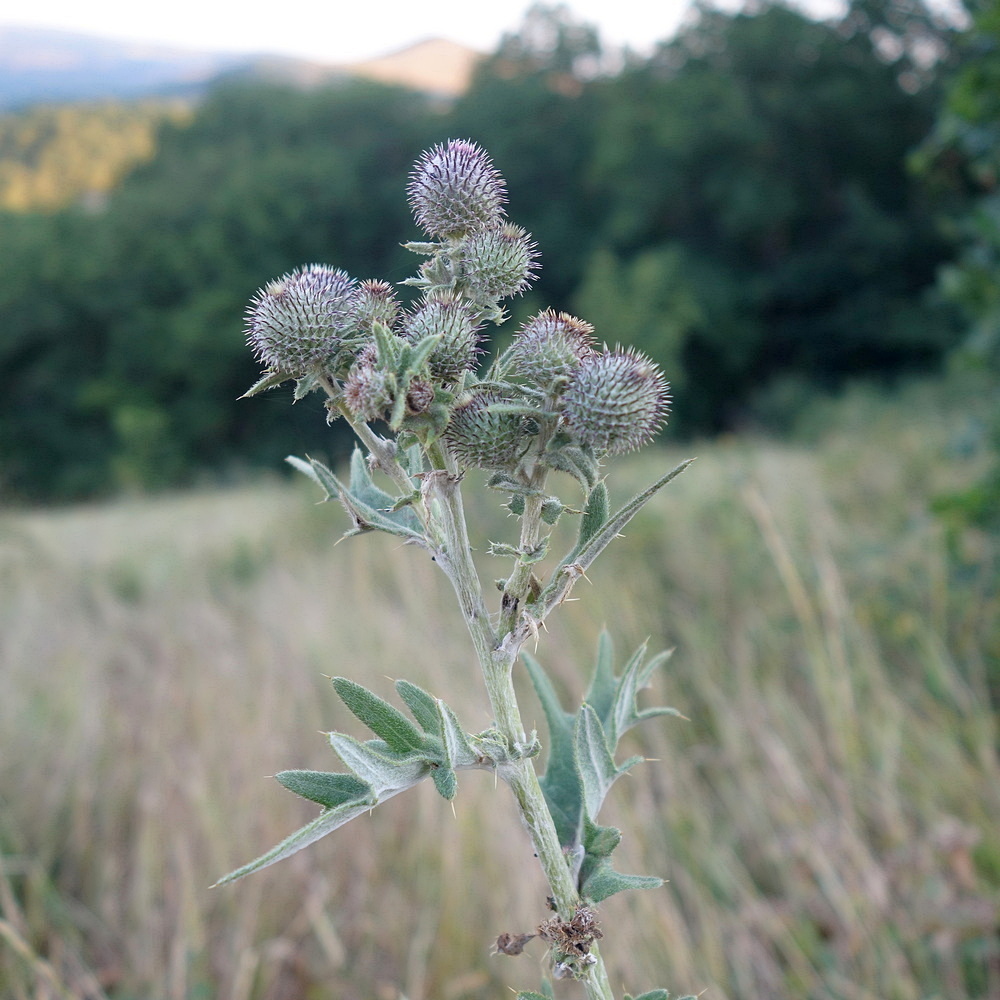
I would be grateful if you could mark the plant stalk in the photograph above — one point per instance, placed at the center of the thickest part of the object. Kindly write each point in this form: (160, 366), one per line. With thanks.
(497, 663)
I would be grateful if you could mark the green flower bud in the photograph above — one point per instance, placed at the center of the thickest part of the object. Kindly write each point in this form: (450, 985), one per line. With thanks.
(616, 401)
(550, 346)
(499, 263)
(302, 318)
(455, 189)
(454, 320)
(366, 389)
(376, 303)
(481, 437)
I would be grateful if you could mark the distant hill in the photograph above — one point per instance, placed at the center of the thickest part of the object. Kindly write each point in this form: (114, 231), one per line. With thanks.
(45, 66)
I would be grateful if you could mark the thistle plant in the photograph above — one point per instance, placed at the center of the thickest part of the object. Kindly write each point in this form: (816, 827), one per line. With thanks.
(411, 384)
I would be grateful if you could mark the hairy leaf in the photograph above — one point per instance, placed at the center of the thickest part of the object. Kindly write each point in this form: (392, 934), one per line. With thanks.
(561, 781)
(421, 704)
(380, 717)
(329, 789)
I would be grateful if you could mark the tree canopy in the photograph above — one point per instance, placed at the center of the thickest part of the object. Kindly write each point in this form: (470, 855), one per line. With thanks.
(739, 204)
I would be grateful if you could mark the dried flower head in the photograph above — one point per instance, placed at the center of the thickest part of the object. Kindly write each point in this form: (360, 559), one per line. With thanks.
(500, 262)
(616, 401)
(455, 189)
(302, 318)
(483, 437)
(551, 345)
(454, 320)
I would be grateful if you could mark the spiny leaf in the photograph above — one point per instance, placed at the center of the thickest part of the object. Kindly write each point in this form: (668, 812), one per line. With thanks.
(561, 781)
(601, 692)
(655, 995)
(583, 557)
(445, 781)
(421, 704)
(328, 788)
(624, 713)
(327, 821)
(380, 717)
(384, 771)
(363, 488)
(603, 881)
(595, 515)
(600, 841)
(594, 761)
(458, 750)
(362, 515)
(267, 381)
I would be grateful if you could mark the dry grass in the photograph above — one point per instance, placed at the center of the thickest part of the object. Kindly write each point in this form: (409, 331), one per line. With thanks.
(829, 819)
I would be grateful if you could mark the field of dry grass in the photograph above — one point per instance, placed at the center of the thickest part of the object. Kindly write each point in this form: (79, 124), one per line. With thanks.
(828, 819)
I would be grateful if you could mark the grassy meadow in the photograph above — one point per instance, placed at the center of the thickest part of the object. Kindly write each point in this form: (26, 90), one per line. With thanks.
(828, 818)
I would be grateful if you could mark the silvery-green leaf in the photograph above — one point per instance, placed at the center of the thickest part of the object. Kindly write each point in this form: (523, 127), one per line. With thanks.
(624, 712)
(267, 381)
(594, 761)
(603, 682)
(600, 841)
(561, 781)
(363, 488)
(304, 386)
(445, 781)
(584, 557)
(363, 516)
(421, 704)
(327, 821)
(458, 750)
(604, 881)
(384, 771)
(656, 995)
(401, 735)
(328, 788)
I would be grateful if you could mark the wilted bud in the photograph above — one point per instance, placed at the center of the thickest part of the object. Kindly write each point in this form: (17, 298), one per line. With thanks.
(376, 303)
(302, 318)
(616, 401)
(458, 348)
(481, 437)
(550, 346)
(366, 389)
(455, 189)
(501, 262)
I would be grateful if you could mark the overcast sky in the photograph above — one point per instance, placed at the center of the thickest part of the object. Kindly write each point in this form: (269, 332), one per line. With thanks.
(337, 31)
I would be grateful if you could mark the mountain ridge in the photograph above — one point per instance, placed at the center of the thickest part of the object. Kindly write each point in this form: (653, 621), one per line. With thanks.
(41, 65)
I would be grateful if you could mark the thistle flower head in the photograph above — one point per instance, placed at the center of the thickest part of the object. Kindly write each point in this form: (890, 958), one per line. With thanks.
(454, 320)
(500, 262)
(302, 318)
(551, 345)
(376, 303)
(616, 401)
(455, 189)
(482, 437)
(366, 388)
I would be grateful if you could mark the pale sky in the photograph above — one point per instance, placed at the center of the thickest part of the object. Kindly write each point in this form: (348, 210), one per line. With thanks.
(337, 31)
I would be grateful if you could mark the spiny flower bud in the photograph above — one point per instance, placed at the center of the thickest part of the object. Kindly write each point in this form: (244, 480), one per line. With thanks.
(500, 262)
(552, 345)
(616, 401)
(376, 303)
(455, 189)
(302, 318)
(481, 437)
(366, 389)
(458, 348)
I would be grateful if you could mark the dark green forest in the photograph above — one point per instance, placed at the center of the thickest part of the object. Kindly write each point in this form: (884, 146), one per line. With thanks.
(769, 205)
